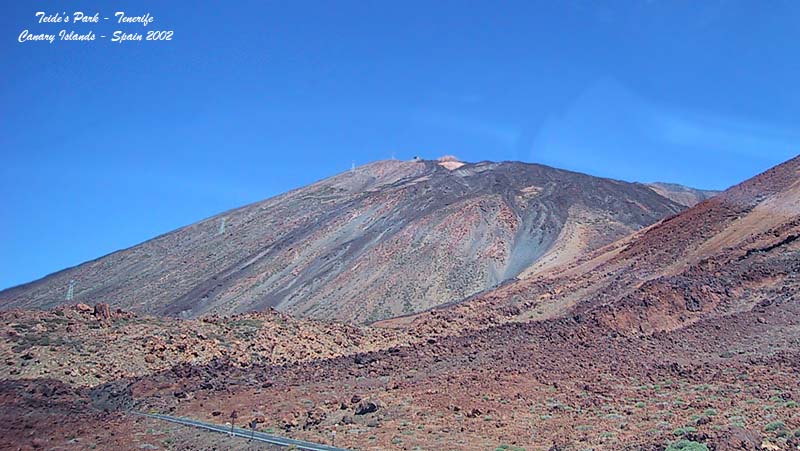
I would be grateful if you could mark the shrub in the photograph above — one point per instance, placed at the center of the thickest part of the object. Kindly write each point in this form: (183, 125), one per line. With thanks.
(684, 431)
(686, 445)
(775, 426)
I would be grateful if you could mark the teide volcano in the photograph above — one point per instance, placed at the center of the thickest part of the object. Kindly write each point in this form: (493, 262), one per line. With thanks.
(385, 239)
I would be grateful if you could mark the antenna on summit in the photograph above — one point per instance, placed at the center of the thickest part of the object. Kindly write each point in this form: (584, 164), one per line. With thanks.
(353, 166)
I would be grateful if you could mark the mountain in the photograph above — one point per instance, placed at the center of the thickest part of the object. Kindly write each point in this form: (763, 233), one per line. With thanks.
(684, 334)
(382, 240)
(683, 195)
(735, 252)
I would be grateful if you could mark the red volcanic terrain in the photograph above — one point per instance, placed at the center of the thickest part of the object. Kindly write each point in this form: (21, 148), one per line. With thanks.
(727, 254)
(681, 335)
(386, 239)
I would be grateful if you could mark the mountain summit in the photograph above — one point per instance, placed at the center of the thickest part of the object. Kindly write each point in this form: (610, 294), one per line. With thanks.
(385, 239)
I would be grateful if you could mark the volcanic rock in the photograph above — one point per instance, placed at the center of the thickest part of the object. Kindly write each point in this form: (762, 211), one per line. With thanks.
(102, 311)
(365, 407)
(738, 439)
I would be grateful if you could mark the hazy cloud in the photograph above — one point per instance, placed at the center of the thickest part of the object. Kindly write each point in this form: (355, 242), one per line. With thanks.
(610, 130)
(724, 134)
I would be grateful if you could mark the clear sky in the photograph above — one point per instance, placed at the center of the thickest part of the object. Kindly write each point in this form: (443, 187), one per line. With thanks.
(105, 145)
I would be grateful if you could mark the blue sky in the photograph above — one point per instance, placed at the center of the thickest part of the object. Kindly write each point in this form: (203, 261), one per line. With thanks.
(106, 145)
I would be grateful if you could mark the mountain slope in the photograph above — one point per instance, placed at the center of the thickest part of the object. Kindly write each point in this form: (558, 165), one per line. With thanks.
(736, 252)
(385, 239)
(682, 194)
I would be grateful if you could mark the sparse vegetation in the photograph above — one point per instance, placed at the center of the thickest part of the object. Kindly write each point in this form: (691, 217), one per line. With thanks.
(687, 445)
(509, 448)
(775, 426)
(27, 341)
(682, 432)
(737, 421)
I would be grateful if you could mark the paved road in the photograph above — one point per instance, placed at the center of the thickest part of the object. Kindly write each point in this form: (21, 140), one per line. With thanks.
(244, 433)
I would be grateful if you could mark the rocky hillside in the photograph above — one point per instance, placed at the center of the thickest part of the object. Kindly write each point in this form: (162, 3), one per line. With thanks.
(386, 239)
(738, 251)
(85, 346)
(735, 252)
